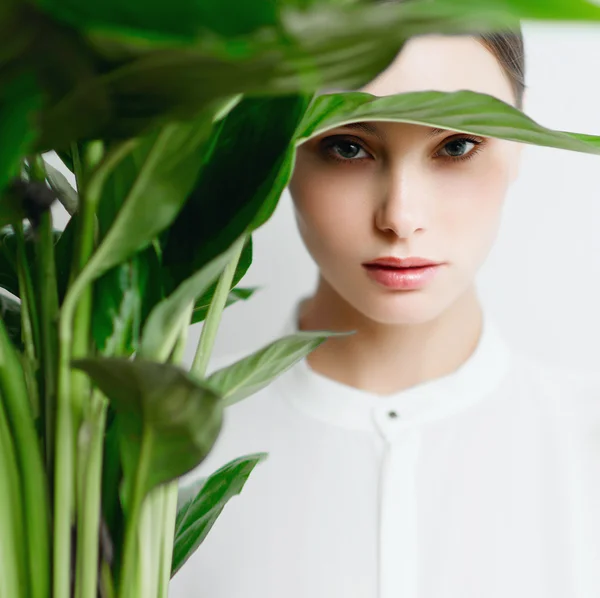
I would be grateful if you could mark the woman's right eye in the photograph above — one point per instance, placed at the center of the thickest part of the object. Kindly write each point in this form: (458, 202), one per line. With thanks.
(343, 150)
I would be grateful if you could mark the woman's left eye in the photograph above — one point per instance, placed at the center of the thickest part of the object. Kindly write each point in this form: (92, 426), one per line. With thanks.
(460, 148)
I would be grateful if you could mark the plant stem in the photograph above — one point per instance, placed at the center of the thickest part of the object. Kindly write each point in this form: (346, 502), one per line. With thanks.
(133, 511)
(213, 316)
(47, 308)
(89, 507)
(166, 555)
(72, 386)
(29, 316)
(108, 587)
(31, 468)
(14, 580)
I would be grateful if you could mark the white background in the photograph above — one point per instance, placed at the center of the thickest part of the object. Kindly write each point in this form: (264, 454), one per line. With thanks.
(542, 278)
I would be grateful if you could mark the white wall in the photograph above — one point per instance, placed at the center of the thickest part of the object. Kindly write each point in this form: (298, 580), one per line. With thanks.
(542, 278)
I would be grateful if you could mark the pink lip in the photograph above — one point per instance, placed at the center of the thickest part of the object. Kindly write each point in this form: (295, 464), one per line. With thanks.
(402, 278)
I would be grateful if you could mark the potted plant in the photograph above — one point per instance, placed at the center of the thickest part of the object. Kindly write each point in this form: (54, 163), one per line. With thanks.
(152, 110)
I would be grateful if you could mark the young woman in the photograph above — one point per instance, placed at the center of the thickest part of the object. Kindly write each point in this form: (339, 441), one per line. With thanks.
(420, 457)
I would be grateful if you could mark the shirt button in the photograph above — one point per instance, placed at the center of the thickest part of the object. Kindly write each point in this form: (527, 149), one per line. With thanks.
(392, 414)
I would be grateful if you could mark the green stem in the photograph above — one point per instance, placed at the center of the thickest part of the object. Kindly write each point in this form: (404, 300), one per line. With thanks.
(29, 315)
(213, 316)
(129, 579)
(107, 581)
(73, 387)
(14, 580)
(90, 507)
(168, 537)
(47, 308)
(31, 467)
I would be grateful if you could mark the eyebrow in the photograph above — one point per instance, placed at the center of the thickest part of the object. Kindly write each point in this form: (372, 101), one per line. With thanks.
(370, 128)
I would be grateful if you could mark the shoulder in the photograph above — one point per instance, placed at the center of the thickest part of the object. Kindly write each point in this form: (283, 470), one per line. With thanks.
(573, 391)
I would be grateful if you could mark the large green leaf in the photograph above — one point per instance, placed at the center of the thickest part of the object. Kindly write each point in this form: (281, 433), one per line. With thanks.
(181, 19)
(197, 515)
(20, 100)
(171, 158)
(235, 295)
(248, 166)
(162, 411)
(461, 111)
(164, 322)
(571, 10)
(253, 372)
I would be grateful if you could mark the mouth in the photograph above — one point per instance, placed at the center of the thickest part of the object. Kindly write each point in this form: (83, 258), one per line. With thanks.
(404, 278)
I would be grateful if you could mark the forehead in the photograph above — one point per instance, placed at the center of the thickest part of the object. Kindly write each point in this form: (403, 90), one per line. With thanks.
(443, 63)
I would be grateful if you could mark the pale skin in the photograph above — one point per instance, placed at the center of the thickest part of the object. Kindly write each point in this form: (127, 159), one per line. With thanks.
(400, 193)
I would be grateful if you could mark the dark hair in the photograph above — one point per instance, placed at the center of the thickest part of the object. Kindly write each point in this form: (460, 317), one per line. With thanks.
(508, 48)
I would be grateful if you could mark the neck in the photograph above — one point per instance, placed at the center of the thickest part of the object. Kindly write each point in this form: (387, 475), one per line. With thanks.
(387, 358)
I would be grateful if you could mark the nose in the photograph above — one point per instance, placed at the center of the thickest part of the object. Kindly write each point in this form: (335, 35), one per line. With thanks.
(401, 206)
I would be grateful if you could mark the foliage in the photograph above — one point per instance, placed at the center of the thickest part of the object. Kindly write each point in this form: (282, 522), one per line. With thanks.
(152, 108)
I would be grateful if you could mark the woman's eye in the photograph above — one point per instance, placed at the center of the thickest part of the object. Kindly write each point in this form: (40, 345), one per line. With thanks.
(460, 148)
(344, 150)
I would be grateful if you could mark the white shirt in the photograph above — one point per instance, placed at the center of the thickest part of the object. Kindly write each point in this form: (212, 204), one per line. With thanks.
(484, 483)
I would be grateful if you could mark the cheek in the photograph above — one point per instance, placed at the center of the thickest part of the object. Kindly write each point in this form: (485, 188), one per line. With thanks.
(475, 198)
(331, 209)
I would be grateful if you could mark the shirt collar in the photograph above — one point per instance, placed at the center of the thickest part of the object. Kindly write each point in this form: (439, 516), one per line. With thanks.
(342, 405)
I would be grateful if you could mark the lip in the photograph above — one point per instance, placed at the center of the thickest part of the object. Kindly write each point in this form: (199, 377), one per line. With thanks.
(402, 262)
(402, 274)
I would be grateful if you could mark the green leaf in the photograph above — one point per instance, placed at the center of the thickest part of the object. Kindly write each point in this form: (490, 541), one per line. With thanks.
(573, 10)
(198, 514)
(253, 372)
(8, 266)
(179, 416)
(163, 325)
(253, 142)
(20, 100)
(182, 20)
(117, 308)
(203, 303)
(170, 160)
(66, 194)
(461, 111)
(10, 314)
(235, 295)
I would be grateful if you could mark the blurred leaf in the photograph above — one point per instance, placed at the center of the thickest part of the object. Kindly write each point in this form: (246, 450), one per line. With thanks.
(252, 373)
(163, 325)
(8, 265)
(198, 514)
(20, 100)
(175, 417)
(171, 159)
(10, 313)
(253, 141)
(11, 205)
(203, 303)
(66, 194)
(573, 10)
(235, 295)
(180, 18)
(461, 111)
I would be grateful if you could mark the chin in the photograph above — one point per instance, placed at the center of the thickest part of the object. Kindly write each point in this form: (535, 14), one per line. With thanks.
(402, 308)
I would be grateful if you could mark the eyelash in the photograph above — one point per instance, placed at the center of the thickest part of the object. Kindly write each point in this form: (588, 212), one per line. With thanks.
(329, 142)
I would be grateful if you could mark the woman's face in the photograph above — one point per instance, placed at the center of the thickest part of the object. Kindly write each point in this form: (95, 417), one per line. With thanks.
(400, 191)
